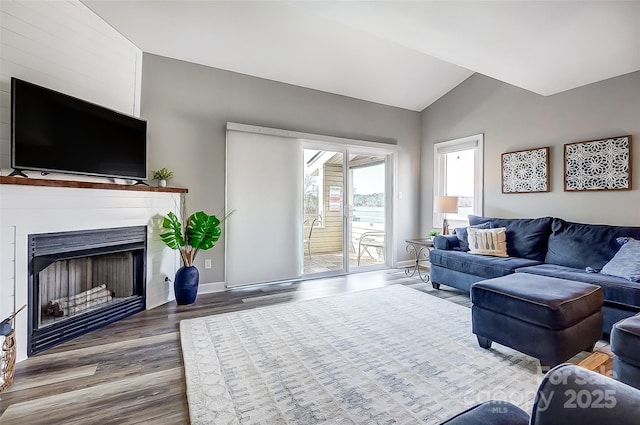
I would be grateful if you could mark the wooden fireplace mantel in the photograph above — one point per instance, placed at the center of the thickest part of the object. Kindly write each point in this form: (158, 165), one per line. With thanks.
(87, 185)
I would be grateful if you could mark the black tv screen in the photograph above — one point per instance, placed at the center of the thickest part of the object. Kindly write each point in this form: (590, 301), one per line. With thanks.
(55, 132)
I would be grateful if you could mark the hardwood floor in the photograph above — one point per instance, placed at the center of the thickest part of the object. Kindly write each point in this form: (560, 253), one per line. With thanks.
(131, 372)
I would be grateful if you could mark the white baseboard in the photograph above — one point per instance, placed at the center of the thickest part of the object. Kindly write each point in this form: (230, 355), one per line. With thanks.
(405, 264)
(208, 288)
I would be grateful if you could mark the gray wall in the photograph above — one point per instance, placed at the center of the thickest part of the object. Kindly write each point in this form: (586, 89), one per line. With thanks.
(187, 107)
(514, 119)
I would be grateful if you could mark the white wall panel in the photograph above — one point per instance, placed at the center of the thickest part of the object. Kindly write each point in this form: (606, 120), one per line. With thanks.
(64, 46)
(7, 268)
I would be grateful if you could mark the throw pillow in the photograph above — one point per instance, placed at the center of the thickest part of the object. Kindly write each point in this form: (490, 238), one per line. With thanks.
(488, 241)
(626, 262)
(526, 237)
(463, 235)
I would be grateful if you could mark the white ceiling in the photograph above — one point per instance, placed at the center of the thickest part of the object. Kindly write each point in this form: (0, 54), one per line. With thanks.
(404, 54)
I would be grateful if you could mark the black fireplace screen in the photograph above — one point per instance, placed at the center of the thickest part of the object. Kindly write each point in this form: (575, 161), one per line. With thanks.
(80, 281)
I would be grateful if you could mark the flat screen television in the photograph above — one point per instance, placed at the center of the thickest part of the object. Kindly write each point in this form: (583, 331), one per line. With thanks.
(55, 132)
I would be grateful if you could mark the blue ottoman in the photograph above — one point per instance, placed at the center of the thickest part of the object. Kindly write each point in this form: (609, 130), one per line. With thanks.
(625, 344)
(547, 318)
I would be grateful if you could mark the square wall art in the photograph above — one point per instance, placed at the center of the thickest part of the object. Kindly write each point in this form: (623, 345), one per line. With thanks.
(603, 164)
(525, 171)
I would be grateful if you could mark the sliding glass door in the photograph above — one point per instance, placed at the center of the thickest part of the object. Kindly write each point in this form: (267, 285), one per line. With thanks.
(324, 224)
(344, 210)
(303, 207)
(367, 211)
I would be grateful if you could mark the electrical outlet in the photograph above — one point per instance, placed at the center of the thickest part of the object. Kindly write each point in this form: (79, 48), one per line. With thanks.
(207, 263)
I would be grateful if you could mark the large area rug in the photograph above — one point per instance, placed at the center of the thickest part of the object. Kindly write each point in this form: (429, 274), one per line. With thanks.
(392, 355)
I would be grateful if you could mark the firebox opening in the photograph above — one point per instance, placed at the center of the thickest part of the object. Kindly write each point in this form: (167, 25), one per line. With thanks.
(71, 287)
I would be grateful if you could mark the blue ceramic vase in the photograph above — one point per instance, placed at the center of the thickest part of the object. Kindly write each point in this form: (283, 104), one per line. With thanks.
(185, 285)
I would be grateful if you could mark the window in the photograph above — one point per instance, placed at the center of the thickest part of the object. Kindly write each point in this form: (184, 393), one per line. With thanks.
(458, 172)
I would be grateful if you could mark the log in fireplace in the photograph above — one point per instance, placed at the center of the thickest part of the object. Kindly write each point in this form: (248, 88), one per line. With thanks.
(83, 280)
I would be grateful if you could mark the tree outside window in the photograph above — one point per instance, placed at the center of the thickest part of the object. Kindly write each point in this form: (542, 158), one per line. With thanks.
(312, 197)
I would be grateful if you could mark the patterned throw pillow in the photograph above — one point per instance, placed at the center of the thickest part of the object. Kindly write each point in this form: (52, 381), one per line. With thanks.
(488, 241)
(463, 235)
(626, 262)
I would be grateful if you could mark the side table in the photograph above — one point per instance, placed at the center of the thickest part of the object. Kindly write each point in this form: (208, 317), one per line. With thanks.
(420, 248)
(599, 362)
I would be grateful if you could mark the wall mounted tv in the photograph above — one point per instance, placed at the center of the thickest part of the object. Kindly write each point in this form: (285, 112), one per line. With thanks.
(54, 132)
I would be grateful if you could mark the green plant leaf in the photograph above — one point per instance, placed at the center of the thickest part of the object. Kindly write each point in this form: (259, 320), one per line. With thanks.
(173, 238)
(163, 174)
(203, 230)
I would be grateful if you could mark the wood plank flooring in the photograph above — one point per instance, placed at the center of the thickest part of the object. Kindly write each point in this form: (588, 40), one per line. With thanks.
(131, 372)
(600, 362)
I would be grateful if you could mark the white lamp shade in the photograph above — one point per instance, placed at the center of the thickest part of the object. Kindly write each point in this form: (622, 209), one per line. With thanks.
(446, 204)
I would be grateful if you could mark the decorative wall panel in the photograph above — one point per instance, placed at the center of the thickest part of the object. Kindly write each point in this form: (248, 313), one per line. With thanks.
(603, 164)
(525, 171)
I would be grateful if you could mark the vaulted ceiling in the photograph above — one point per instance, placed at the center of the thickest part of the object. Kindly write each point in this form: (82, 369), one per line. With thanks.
(403, 54)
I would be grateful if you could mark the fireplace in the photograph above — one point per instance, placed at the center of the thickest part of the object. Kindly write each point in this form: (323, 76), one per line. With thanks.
(83, 280)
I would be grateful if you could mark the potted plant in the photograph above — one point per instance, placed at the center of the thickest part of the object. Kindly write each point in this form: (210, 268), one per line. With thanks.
(162, 175)
(201, 232)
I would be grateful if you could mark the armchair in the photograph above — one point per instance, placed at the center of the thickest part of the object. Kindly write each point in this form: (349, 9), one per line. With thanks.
(567, 395)
(370, 239)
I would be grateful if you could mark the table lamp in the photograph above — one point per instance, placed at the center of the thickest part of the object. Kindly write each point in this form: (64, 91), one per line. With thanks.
(444, 205)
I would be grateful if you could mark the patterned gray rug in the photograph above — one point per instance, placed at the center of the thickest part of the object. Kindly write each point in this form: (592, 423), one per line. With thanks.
(389, 355)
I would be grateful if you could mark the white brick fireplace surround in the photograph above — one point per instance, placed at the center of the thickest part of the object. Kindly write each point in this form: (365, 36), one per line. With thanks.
(31, 206)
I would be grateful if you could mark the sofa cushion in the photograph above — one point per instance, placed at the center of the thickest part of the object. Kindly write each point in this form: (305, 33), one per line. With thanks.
(526, 237)
(626, 262)
(581, 245)
(488, 241)
(616, 289)
(478, 265)
(543, 301)
(570, 394)
(625, 340)
(445, 242)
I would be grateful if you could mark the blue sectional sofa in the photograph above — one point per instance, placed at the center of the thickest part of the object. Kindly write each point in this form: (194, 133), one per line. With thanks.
(544, 246)
(625, 344)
